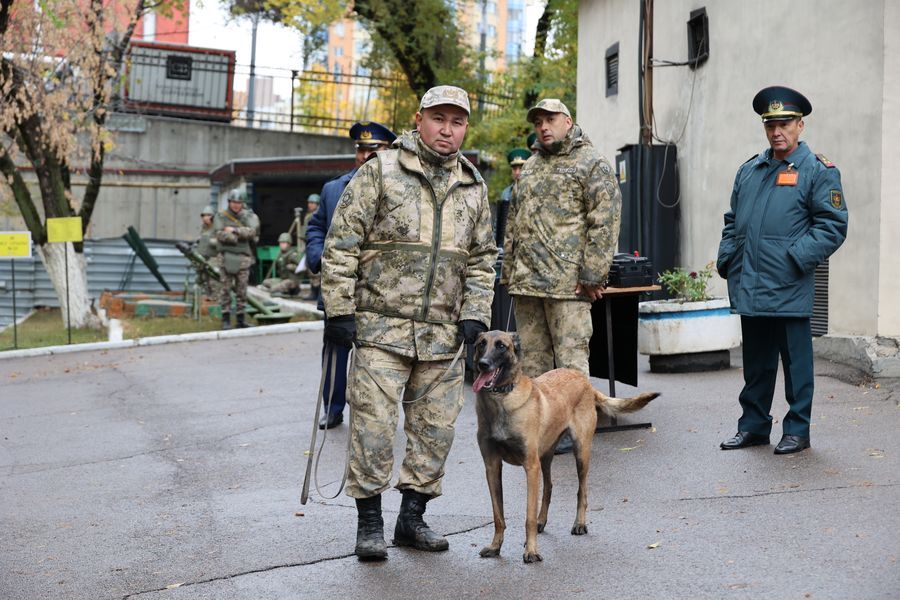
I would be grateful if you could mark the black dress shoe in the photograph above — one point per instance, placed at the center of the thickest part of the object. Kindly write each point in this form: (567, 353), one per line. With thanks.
(331, 421)
(744, 439)
(791, 443)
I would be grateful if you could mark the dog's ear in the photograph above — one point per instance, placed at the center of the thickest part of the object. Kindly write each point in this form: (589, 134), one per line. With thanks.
(517, 344)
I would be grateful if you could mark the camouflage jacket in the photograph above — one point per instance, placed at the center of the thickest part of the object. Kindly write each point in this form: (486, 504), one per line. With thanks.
(207, 245)
(246, 231)
(563, 223)
(409, 261)
(286, 263)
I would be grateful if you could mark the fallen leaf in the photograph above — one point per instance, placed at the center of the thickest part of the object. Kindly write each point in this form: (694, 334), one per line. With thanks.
(861, 408)
(306, 453)
(653, 545)
(299, 514)
(627, 449)
(172, 586)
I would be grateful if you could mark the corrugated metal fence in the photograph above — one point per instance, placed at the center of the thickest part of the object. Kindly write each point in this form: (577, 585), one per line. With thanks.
(111, 265)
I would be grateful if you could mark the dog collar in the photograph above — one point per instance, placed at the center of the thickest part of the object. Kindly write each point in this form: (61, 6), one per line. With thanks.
(503, 389)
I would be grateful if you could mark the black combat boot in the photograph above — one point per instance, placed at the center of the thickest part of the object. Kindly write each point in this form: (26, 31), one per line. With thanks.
(370, 529)
(226, 320)
(239, 317)
(411, 529)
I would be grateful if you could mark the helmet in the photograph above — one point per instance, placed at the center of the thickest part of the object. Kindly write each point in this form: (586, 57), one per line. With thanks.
(314, 198)
(237, 195)
(284, 237)
(208, 210)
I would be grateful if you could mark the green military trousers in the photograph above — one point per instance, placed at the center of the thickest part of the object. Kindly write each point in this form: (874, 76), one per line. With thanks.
(553, 333)
(377, 383)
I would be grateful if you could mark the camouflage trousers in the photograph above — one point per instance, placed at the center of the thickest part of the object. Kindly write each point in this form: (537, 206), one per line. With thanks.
(553, 333)
(206, 283)
(377, 382)
(276, 285)
(233, 282)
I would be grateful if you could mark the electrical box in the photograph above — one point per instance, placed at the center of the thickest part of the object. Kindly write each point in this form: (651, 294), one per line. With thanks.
(651, 216)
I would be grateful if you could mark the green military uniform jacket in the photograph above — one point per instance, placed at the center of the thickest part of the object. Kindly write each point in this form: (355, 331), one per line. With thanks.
(286, 263)
(564, 218)
(408, 260)
(246, 231)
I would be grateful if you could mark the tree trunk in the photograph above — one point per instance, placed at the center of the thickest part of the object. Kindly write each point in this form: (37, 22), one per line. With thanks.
(79, 302)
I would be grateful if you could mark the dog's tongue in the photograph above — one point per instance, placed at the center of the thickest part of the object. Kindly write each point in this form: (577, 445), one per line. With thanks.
(482, 379)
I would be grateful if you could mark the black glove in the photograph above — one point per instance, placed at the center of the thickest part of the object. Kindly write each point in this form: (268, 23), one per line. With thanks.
(469, 330)
(341, 331)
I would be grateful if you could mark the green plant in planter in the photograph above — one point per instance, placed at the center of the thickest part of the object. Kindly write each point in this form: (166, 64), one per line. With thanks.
(687, 286)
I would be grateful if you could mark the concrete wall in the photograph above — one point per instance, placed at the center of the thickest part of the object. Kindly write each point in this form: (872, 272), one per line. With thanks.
(842, 56)
(163, 183)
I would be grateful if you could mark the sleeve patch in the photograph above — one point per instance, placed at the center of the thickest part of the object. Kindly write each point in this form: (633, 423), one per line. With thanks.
(837, 199)
(825, 161)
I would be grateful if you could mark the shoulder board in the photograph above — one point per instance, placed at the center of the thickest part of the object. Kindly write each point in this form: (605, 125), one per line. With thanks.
(749, 159)
(825, 161)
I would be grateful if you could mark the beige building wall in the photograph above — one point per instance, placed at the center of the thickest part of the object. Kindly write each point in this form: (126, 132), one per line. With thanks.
(842, 56)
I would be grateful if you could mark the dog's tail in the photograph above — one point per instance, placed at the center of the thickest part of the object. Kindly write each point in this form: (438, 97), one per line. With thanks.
(617, 406)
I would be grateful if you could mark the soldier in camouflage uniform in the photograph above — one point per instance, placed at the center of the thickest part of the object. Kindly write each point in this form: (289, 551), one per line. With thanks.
(237, 231)
(315, 279)
(286, 280)
(208, 248)
(563, 230)
(408, 274)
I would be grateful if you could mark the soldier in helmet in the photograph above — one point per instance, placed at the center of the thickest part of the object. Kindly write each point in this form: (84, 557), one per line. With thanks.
(286, 280)
(208, 248)
(408, 274)
(315, 279)
(236, 230)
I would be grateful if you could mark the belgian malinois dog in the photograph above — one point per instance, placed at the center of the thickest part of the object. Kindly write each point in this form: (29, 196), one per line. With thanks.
(520, 421)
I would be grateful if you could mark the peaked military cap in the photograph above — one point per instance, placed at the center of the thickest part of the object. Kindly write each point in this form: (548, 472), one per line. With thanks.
(531, 140)
(369, 134)
(314, 198)
(778, 103)
(284, 237)
(517, 156)
(445, 94)
(548, 105)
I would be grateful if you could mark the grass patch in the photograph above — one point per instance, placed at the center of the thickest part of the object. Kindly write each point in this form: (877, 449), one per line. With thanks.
(45, 328)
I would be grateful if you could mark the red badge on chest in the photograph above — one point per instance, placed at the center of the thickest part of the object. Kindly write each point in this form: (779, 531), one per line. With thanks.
(787, 177)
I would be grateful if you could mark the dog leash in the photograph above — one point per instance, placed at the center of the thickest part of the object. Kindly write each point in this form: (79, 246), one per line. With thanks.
(509, 315)
(312, 466)
(423, 395)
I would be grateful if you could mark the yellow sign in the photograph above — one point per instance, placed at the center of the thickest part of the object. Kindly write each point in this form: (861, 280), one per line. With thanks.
(64, 229)
(15, 244)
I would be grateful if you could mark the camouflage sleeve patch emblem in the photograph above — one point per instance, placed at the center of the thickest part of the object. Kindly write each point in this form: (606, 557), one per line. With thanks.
(837, 199)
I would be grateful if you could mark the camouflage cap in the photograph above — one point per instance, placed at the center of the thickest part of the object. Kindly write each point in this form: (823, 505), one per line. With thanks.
(548, 105)
(284, 237)
(445, 94)
(313, 198)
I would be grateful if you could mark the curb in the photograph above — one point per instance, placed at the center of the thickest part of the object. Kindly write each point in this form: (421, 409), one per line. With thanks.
(166, 339)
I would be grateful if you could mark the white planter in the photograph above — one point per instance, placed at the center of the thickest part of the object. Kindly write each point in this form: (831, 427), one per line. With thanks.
(672, 327)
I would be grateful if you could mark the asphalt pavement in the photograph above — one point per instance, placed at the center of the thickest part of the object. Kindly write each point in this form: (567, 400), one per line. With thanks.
(174, 472)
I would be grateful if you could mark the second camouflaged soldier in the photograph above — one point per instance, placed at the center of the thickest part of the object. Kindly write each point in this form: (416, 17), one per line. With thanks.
(208, 248)
(562, 233)
(286, 280)
(408, 273)
(237, 230)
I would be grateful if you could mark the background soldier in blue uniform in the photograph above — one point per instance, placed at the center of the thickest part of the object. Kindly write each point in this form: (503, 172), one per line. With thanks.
(787, 215)
(369, 137)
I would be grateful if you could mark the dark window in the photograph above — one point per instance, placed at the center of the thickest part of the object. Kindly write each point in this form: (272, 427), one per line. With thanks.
(178, 67)
(698, 38)
(612, 70)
